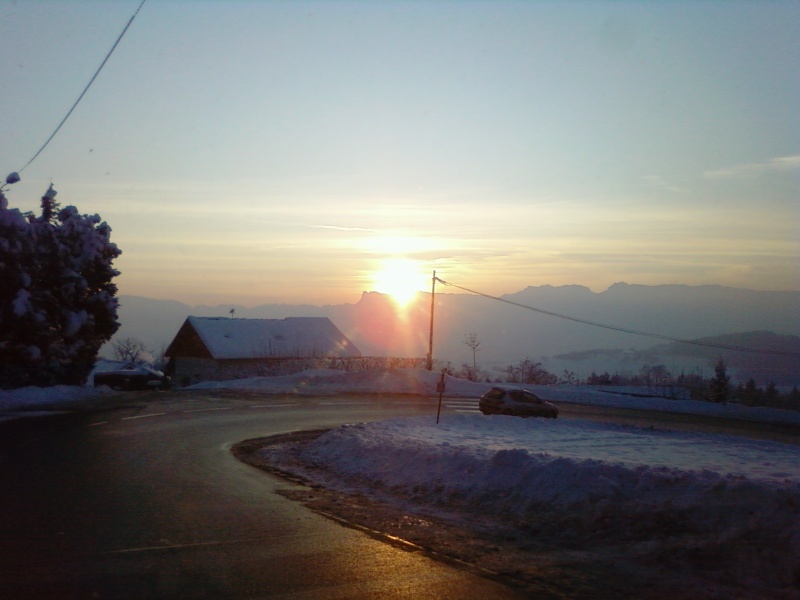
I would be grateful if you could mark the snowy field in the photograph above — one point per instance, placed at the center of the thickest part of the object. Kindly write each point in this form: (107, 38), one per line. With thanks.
(666, 495)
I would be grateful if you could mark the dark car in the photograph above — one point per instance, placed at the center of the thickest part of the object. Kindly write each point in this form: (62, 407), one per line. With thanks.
(140, 378)
(515, 401)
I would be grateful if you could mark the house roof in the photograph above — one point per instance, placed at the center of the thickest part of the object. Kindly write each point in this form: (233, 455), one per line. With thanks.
(261, 338)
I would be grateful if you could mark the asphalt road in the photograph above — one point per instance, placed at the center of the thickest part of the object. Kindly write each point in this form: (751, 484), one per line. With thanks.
(146, 501)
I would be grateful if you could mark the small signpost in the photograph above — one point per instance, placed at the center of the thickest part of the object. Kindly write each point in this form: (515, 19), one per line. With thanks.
(440, 389)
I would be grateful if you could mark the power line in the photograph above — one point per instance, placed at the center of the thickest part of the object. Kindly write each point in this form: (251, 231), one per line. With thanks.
(624, 329)
(86, 89)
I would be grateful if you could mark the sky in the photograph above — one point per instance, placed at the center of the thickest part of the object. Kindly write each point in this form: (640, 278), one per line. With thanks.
(257, 152)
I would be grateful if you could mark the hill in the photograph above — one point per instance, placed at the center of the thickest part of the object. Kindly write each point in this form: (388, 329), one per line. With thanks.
(762, 363)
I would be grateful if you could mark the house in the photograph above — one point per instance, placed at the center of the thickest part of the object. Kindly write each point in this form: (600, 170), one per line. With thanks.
(221, 348)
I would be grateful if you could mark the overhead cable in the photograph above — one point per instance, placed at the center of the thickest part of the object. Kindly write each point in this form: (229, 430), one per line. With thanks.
(625, 329)
(88, 85)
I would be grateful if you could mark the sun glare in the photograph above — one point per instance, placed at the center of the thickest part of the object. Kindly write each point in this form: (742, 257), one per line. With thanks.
(399, 278)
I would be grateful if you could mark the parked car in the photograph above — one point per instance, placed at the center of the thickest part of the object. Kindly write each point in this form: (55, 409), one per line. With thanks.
(515, 401)
(140, 378)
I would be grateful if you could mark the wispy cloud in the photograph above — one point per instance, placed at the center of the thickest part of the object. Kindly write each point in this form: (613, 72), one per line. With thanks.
(342, 228)
(658, 182)
(750, 170)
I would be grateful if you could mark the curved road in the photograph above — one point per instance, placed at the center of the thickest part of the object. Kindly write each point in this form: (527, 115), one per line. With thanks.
(146, 501)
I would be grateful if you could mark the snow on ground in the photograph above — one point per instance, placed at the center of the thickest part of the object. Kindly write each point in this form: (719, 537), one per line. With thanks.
(35, 401)
(597, 485)
(667, 496)
(422, 382)
(656, 489)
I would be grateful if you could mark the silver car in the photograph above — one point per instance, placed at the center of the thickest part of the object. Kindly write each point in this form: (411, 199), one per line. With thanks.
(515, 401)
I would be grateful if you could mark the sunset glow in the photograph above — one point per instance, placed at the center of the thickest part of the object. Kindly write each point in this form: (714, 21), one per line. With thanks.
(319, 150)
(401, 279)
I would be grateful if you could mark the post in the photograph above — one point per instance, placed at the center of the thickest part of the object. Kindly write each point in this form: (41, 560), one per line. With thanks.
(430, 338)
(440, 390)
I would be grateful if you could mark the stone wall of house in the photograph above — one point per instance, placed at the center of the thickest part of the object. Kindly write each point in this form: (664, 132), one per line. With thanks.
(188, 371)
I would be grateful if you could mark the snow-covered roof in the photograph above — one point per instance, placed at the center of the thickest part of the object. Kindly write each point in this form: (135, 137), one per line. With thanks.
(106, 364)
(305, 337)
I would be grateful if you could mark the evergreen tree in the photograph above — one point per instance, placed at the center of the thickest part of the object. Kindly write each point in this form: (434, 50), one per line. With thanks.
(771, 392)
(57, 303)
(719, 387)
(751, 395)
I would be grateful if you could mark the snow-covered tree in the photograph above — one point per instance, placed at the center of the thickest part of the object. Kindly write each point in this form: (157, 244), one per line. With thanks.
(57, 302)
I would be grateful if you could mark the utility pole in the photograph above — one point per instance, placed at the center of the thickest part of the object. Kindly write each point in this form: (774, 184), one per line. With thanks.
(430, 338)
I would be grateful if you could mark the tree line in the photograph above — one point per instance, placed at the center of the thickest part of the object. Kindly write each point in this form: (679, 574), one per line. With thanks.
(716, 388)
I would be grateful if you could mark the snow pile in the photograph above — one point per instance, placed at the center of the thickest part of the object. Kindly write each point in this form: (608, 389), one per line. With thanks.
(542, 439)
(35, 397)
(33, 401)
(665, 496)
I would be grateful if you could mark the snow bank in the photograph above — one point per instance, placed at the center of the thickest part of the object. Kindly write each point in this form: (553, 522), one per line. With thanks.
(637, 398)
(48, 398)
(662, 494)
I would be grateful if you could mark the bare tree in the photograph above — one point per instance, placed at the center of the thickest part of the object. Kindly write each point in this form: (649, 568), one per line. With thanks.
(655, 375)
(131, 349)
(569, 377)
(471, 340)
(528, 371)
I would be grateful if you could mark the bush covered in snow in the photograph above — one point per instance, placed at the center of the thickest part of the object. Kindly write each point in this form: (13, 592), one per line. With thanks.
(57, 302)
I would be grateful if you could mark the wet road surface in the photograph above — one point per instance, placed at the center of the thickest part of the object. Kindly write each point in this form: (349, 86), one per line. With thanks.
(146, 501)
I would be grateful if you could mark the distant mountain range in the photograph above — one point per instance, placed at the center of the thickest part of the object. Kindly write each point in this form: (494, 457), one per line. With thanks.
(761, 362)
(516, 326)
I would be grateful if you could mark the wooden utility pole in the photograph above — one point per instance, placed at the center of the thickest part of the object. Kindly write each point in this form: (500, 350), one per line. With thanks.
(430, 338)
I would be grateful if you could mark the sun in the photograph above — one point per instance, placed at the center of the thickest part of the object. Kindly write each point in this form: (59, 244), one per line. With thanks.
(400, 278)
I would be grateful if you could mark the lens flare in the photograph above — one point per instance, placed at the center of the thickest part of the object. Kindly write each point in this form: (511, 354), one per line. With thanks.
(400, 278)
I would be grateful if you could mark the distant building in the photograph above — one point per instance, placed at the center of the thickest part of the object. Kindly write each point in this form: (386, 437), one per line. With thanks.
(102, 365)
(222, 348)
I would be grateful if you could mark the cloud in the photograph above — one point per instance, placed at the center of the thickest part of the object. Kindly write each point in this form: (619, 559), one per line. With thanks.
(659, 182)
(751, 170)
(342, 228)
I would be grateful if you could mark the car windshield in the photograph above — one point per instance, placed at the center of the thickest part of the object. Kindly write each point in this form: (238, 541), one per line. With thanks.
(495, 394)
